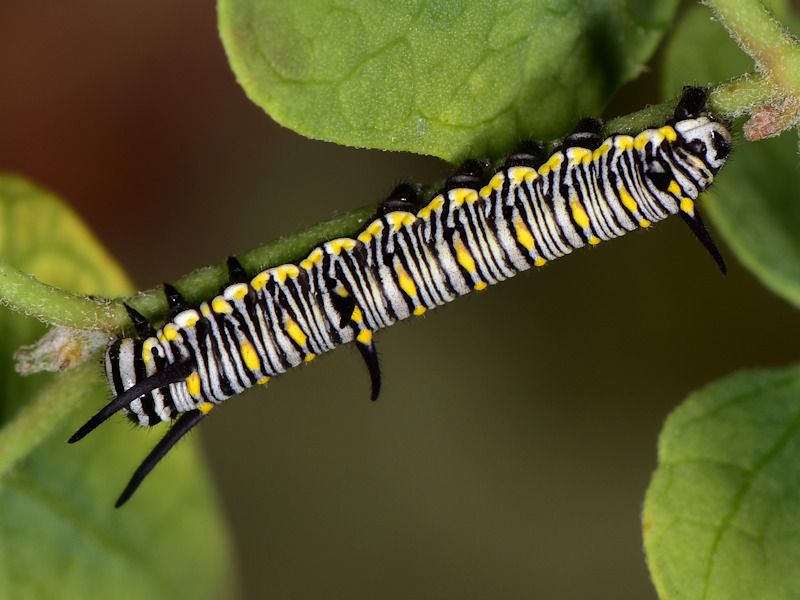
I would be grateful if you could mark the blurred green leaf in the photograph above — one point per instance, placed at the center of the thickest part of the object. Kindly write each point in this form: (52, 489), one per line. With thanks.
(449, 78)
(722, 515)
(61, 536)
(754, 201)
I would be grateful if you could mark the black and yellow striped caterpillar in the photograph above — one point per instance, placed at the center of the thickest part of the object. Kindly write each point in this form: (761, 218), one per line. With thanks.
(408, 260)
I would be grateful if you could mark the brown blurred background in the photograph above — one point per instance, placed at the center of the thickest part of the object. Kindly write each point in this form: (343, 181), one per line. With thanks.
(509, 453)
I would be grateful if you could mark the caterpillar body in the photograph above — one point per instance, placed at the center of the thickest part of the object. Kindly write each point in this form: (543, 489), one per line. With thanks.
(408, 260)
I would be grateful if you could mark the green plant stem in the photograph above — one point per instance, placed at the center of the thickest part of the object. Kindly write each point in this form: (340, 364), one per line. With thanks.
(37, 419)
(775, 51)
(25, 293)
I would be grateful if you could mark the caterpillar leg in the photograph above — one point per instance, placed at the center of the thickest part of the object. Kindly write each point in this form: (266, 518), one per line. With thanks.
(142, 326)
(403, 198)
(175, 301)
(181, 427)
(236, 272)
(470, 175)
(530, 154)
(587, 134)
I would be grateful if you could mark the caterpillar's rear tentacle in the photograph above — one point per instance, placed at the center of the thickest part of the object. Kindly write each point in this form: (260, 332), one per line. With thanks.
(181, 427)
(172, 373)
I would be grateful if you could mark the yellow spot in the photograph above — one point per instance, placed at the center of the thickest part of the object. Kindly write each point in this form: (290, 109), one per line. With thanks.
(495, 184)
(235, 292)
(579, 155)
(644, 223)
(309, 357)
(205, 407)
(405, 281)
(459, 196)
(594, 241)
(170, 332)
(205, 309)
(364, 336)
(579, 214)
(520, 174)
(624, 142)
(674, 188)
(640, 141)
(221, 306)
(357, 315)
(262, 381)
(294, 331)
(481, 285)
(433, 205)
(554, 162)
(669, 133)
(336, 246)
(687, 206)
(540, 262)
(284, 271)
(260, 280)
(311, 259)
(147, 350)
(187, 319)
(249, 356)
(523, 234)
(342, 292)
(193, 384)
(420, 310)
(601, 151)
(400, 218)
(371, 231)
(464, 256)
(628, 200)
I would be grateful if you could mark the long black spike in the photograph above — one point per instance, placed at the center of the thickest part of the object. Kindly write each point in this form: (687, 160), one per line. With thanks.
(182, 426)
(171, 374)
(370, 356)
(142, 326)
(175, 301)
(697, 226)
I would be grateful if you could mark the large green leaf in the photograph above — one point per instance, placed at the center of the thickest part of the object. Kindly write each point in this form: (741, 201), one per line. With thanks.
(754, 203)
(722, 515)
(443, 77)
(60, 536)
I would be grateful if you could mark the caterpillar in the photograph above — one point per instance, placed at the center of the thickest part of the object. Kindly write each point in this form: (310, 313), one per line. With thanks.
(472, 234)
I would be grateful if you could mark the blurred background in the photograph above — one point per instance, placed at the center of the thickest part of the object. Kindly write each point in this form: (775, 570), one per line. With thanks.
(511, 448)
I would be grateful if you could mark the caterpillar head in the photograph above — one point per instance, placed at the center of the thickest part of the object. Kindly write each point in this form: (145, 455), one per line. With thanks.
(706, 139)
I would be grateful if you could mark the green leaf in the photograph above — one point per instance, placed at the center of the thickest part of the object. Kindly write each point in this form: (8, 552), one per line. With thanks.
(445, 77)
(754, 202)
(722, 515)
(60, 536)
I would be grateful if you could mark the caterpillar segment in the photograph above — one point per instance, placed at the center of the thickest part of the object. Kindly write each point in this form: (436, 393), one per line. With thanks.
(408, 260)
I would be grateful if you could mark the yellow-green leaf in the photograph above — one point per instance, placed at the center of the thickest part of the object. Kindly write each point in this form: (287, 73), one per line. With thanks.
(722, 514)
